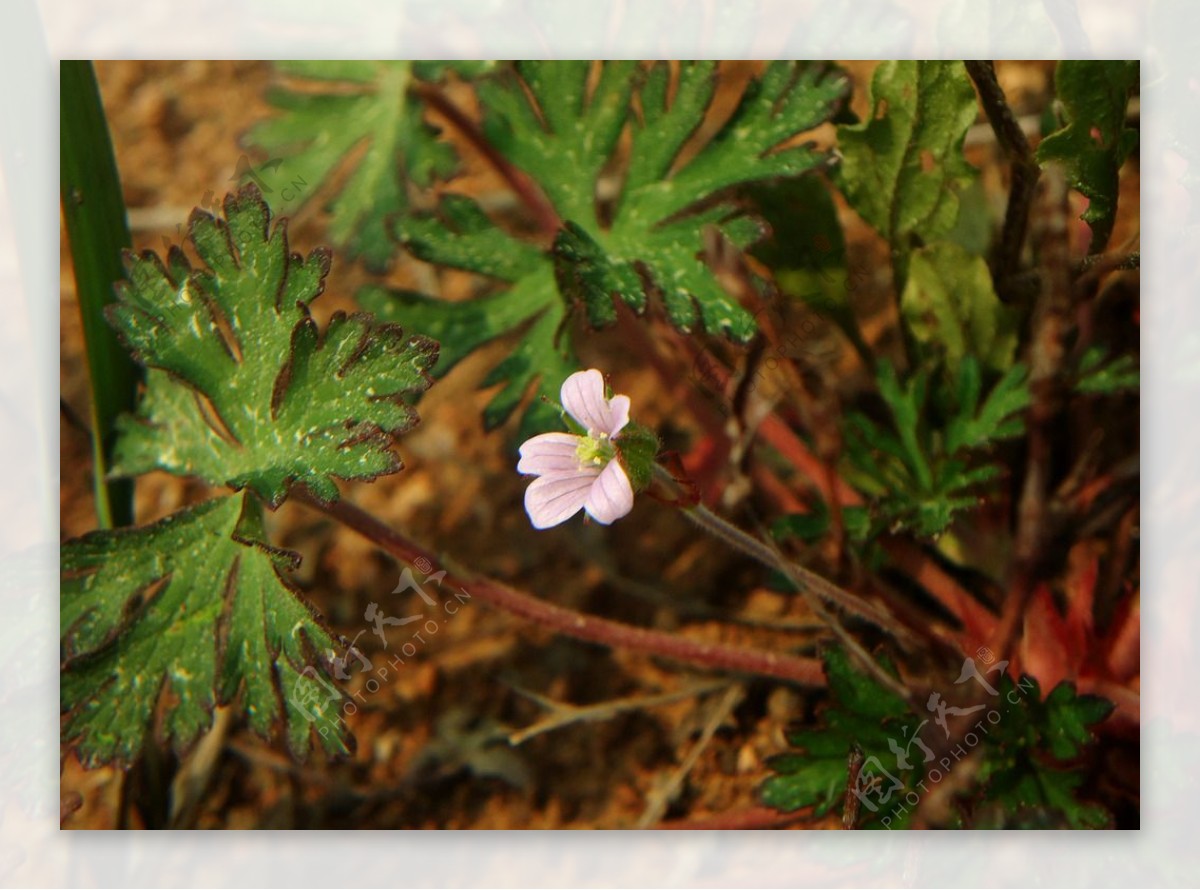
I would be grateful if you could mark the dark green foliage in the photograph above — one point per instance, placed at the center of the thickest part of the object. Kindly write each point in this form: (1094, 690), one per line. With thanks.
(646, 241)
(1094, 141)
(1026, 769)
(860, 713)
(253, 395)
(1025, 775)
(191, 609)
(920, 469)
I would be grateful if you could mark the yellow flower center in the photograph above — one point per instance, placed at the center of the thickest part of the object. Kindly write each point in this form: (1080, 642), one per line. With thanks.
(595, 450)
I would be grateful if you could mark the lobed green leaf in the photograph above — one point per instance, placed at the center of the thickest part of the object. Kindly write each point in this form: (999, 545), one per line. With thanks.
(161, 623)
(951, 309)
(903, 169)
(559, 123)
(246, 391)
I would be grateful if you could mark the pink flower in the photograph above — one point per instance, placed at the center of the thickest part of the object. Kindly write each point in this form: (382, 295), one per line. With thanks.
(579, 471)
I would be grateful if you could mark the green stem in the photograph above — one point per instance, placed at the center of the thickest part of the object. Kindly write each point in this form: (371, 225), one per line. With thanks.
(97, 231)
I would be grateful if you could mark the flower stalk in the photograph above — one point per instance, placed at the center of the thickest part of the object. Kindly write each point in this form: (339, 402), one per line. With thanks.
(590, 628)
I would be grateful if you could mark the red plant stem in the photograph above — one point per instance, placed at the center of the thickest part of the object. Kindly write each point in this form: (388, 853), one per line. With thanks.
(979, 623)
(753, 818)
(606, 632)
(519, 181)
(1047, 349)
(776, 433)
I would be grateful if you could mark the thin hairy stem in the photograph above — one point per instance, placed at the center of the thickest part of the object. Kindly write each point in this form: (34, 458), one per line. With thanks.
(812, 587)
(604, 631)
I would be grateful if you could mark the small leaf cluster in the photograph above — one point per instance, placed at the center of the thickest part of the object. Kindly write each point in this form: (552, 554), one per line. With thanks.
(861, 715)
(922, 465)
(1027, 776)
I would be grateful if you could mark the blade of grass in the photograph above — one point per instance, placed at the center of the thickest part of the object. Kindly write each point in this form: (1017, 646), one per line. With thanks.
(97, 231)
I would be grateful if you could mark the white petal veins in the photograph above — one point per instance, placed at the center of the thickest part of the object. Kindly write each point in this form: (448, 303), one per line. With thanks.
(550, 453)
(550, 500)
(611, 496)
(583, 396)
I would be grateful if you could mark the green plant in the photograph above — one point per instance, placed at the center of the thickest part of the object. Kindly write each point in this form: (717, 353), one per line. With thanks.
(697, 211)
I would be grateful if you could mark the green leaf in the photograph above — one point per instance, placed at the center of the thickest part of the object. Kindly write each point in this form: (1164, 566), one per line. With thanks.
(1094, 141)
(919, 479)
(648, 240)
(1105, 378)
(253, 395)
(860, 713)
(857, 692)
(186, 612)
(952, 310)
(814, 778)
(999, 417)
(97, 233)
(1067, 717)
(1025, 770)
(903, 169)
(357, 118)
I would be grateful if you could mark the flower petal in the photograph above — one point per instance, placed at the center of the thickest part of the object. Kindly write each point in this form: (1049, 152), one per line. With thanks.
(619, 406)
(611, 495)
(552, 499)
(583, 396)
(550, 453)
